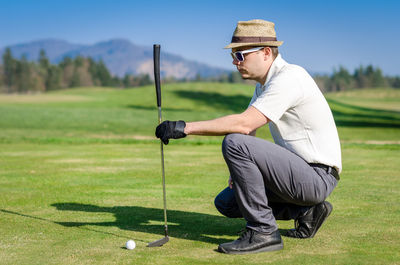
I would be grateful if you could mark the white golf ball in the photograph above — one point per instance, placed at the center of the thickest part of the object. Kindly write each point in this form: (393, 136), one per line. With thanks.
(130, 244)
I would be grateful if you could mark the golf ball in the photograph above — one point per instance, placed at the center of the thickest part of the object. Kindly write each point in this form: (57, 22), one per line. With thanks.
(130, 244)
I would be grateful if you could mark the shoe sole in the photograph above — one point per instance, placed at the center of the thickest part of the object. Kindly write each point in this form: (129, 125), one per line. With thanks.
(264, 249)
(328, 211)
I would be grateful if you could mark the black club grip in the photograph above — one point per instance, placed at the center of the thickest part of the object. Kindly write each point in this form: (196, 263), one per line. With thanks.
(156, 57)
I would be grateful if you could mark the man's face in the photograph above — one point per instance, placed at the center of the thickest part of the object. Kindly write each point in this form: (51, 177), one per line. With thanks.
(253, 66)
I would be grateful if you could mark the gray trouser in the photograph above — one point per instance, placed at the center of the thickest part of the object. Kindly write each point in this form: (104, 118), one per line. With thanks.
(269, 183)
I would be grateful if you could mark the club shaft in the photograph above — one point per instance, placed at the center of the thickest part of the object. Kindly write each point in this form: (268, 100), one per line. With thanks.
(163, 176)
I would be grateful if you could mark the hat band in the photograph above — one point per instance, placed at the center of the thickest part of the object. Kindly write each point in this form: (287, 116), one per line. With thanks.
(252, 39)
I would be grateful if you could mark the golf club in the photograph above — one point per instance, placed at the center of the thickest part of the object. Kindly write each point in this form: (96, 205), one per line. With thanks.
(156, 57)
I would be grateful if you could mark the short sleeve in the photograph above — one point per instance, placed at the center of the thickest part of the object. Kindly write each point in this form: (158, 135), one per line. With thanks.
(281, 93)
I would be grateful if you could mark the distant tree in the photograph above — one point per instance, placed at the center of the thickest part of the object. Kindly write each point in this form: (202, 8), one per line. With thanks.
(145, 80)
(393, 81)
(51, 73)
(43, 60)
(235, 77)
(368, 72)
(116, 82)
(324, 82)
(377, 79)
(126, 81)
(75, 79)
(103, 74)
(369, 77)
(224, 78)
(37, 83)
(79, 76)
(23, 75)
(84, 74)
(2, 79)
(396, 82)
(44, 65)
(93, 71)
(67, 72)
(67, 61)
(341, 79)
(53, 80)
(78, 61)
(361, 80)
(9, 70)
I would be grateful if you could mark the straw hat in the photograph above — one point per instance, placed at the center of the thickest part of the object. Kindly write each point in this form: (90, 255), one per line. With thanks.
(256, 32)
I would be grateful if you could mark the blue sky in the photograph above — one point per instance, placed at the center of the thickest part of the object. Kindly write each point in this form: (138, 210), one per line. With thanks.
(318, 35)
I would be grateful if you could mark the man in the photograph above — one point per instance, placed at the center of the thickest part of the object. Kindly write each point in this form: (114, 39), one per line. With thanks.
(288, 179)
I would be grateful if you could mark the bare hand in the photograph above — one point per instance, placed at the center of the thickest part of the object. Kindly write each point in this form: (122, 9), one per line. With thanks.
(230, 182)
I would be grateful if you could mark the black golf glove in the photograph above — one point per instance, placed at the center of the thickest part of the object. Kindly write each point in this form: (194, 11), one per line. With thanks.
(170, 129)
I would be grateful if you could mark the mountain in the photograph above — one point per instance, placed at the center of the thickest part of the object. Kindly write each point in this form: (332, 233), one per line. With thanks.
(31, 50)
(120, 56)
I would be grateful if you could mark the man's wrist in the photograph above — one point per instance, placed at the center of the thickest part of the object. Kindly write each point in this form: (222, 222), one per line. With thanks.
(180, 127)
(186, 130)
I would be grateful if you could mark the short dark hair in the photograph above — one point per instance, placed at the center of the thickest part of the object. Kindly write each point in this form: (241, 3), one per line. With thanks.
(274, 50)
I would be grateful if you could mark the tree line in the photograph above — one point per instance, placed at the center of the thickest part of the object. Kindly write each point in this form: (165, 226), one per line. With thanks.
(362, 77)
(340, 80)
(21, 76)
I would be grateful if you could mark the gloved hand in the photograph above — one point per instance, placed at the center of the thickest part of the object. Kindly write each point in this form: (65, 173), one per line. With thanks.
(170, 129)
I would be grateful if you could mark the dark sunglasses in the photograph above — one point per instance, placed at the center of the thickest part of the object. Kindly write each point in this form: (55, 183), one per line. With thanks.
(239, 55)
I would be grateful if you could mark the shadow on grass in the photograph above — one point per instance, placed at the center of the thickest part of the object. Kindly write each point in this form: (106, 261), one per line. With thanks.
(181, 224)
(54, 222)
(363, 117)
(185, 225)
(235, 103)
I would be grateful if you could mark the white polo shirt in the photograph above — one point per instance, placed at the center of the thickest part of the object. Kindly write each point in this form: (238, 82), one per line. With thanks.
(301, 120)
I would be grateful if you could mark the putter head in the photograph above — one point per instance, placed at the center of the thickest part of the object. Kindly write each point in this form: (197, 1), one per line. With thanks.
(159, 243)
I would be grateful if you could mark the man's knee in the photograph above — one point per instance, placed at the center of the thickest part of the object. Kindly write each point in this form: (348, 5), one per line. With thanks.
(231, 141)
(225, 203)
(220, 204)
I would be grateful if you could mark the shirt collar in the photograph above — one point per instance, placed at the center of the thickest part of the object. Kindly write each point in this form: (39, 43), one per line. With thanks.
(276, 66)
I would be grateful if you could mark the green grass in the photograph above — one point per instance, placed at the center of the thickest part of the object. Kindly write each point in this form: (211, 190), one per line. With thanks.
(80, 175)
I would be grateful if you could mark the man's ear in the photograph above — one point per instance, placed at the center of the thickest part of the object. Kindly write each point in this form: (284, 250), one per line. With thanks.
(267, 53)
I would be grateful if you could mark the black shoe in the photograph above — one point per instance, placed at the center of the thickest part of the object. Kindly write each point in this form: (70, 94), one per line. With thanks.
(307, 225)
(253, 242)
